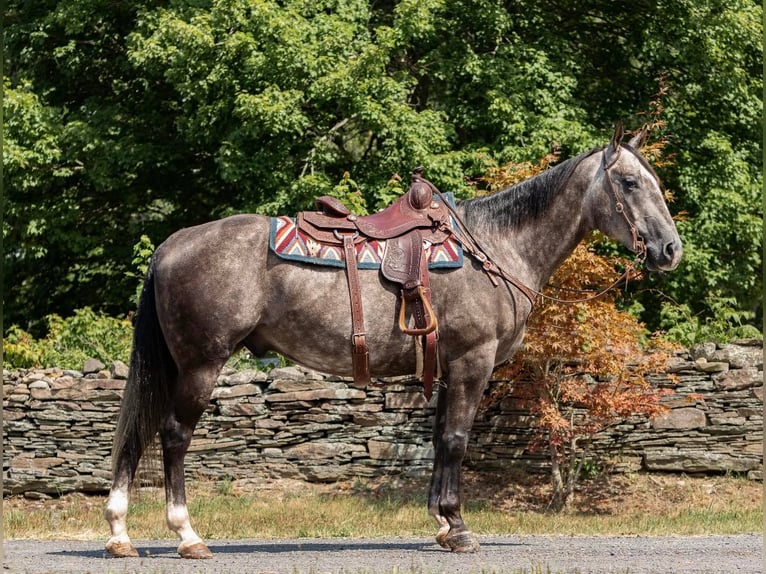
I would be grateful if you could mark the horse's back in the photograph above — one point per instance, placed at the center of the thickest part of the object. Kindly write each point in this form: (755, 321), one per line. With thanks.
(215, 237)
(219, 286)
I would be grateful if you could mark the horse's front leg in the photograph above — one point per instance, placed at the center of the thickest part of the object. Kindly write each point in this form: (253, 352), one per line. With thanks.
(434, 491)
(455, 411)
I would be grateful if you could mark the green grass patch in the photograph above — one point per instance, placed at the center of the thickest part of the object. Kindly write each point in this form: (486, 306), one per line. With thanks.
(721, 505)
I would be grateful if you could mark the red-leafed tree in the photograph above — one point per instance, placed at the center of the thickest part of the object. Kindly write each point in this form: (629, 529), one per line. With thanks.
(583, 366)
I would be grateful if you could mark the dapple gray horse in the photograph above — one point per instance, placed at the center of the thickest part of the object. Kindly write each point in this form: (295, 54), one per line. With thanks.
(215, 288)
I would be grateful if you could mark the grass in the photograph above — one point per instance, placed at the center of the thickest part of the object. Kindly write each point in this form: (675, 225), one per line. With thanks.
(661, 505)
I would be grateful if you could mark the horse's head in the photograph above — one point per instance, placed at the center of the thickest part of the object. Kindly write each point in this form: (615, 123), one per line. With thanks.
(631, 206)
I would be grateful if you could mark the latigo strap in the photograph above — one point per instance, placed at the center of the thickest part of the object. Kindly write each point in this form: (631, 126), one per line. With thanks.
(360, 352)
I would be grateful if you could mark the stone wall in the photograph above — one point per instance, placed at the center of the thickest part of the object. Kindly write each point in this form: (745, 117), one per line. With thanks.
(58, 426)
(715, 421)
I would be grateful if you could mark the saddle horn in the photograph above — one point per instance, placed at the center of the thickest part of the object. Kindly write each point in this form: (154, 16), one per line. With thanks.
(421, 193)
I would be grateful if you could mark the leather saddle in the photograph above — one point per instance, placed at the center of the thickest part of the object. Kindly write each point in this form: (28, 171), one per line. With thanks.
(416, 218)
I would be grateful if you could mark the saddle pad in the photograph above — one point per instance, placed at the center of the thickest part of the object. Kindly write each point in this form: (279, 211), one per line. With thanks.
(288, 242)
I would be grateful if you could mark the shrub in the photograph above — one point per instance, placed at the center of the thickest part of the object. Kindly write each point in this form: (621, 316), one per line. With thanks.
(583, 367)
(70, 341)
(723, 323)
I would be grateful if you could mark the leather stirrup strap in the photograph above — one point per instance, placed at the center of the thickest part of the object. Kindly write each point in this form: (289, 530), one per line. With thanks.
(415, 292)
(429, 351)
(429, 364)
(360, 354)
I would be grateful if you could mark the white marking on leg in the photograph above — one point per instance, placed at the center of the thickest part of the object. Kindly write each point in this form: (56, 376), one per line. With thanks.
(178, 521)
(444, 529)
(116, 513)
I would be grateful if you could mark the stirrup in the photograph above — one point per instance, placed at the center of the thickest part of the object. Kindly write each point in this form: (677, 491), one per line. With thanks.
(416, 332)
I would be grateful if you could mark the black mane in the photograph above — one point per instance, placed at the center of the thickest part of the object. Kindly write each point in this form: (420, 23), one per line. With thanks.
(524, 202)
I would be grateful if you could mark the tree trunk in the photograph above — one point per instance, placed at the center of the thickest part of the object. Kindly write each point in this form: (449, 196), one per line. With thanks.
(564, 473)
(559, 498)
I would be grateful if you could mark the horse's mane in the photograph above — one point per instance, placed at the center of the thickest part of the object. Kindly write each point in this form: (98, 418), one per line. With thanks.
(524, 201)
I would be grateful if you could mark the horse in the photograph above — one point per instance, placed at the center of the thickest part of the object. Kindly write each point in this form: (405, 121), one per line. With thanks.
(216, 288)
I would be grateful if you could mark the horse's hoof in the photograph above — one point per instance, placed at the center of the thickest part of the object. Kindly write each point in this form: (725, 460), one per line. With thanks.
(121, 549)
(462, 542)
(196, 551)
(441, 536)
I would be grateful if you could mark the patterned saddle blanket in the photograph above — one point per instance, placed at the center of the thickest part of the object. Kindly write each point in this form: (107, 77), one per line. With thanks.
(289, 242)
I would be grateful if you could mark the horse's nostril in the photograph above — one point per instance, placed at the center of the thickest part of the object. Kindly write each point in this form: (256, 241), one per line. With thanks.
(672, 251)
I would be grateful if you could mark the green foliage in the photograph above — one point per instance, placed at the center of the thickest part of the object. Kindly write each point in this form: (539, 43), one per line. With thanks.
(225, 487)
(21, 350)
(70, 342)
(132, 119)
(714, 112)
(390, 193)
(142, 255)
(244, 360)
(724, 324)
(349, 193)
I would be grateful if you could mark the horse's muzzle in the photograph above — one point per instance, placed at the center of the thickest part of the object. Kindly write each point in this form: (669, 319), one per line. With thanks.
(664, 258)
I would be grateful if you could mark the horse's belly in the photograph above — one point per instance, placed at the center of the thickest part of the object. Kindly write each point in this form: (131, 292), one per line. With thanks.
(309, 321)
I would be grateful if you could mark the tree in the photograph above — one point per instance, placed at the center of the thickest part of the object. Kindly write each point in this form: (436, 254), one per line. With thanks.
(87, 157)
(716, 174)
(130, 119)
(583, 368)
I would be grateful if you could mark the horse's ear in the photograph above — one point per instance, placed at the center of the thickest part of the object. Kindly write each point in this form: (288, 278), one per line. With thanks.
(639, 139)
(614, 145)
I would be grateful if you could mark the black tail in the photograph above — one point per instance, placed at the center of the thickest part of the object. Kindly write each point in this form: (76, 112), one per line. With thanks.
(147, 391)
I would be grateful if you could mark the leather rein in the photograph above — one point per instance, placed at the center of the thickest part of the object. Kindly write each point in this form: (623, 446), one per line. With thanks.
(493, 270)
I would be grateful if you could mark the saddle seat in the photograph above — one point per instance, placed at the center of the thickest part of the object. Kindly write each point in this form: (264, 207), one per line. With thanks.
(416, 217)
(416, 209)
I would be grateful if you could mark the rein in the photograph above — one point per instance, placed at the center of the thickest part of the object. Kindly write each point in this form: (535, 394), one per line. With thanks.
(639, 246)
(472, 247)
(492, 269)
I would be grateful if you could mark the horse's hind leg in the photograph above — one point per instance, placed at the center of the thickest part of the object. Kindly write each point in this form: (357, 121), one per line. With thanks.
(189, 400)
(116, 511)
(135, 431)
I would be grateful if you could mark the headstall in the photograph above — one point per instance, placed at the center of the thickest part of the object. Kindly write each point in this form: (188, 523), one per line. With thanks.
(492, 269)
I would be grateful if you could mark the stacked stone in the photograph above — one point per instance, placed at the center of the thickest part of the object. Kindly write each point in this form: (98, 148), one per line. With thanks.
(290, 422)
(293, 423)
(714, 423)
(716, 419)
(58, 426)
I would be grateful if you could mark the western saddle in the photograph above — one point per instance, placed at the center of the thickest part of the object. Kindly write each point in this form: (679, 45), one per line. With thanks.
(416, 217)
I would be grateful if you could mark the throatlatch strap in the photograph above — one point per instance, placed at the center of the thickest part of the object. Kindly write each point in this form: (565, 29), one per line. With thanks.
(359, 352)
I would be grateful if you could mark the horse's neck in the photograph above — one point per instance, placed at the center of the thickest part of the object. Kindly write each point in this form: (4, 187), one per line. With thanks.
(544, 245)
(532, 251)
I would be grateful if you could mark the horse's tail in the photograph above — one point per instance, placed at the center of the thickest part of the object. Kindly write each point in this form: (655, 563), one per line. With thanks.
(147, 391)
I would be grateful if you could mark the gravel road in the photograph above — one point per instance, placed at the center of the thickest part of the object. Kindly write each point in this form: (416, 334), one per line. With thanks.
(500, 554)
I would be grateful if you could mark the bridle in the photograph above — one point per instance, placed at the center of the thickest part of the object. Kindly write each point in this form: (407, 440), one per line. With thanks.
(471, 246)
(639, 246)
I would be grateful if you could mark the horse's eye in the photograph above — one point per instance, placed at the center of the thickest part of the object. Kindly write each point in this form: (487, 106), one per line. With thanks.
(629, 184)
